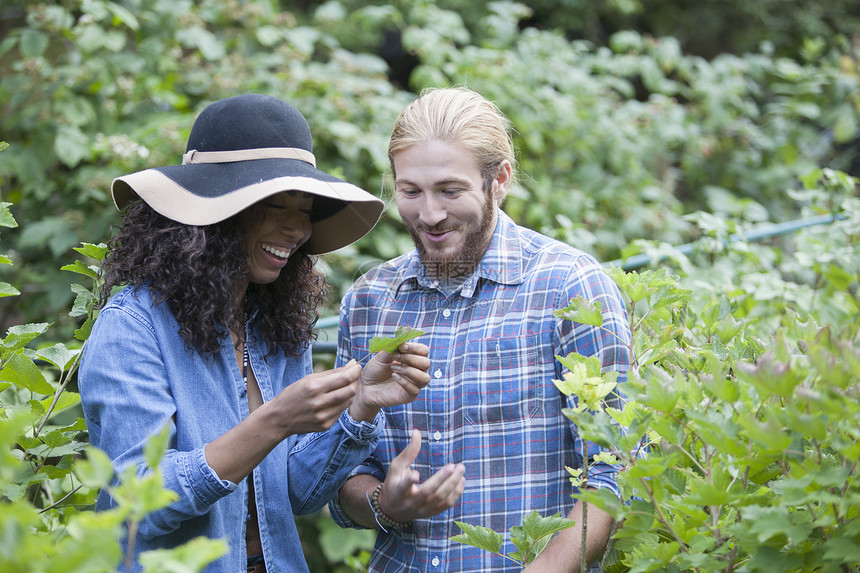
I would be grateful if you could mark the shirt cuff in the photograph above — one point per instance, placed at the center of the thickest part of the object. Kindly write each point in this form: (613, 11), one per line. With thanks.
(362, 432)
(603, 476)
(339, 515)
(211, 488)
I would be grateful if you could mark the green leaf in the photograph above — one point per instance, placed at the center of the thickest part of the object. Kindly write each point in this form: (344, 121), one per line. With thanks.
(401, 335)
(142, 495)
(842, 549)
(155, 446)
(536, 526)
(71, 145)
(8, 290)
(208, 43)
(22, 334)
(96, 471)
(58, 355)
(582, 311)
(123, 15)
(626, 416)
(83, 332)
(21, 372)
(84, 300)
(269, 35)
(6, 218)
(66, 400)
(33, 43)
(191, 556)
(479, 536)
(94, 251)
(82, 269)
(535, 533)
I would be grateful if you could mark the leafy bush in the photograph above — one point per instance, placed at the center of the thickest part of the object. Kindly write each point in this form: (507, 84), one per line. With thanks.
(748, 400)
(49, 475)
(617, 140)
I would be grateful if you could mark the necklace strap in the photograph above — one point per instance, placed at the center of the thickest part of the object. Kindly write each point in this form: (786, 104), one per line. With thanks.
(245, 361)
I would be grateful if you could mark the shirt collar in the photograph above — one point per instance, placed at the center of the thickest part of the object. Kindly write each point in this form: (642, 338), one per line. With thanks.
(502, 262)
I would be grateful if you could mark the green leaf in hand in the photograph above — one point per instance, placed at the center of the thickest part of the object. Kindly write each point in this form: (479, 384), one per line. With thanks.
(384, 343)
(401, 335)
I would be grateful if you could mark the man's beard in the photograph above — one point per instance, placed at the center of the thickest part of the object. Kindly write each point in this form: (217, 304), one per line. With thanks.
(466, 258)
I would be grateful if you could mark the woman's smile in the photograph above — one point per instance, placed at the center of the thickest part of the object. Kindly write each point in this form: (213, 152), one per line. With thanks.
(275, 228)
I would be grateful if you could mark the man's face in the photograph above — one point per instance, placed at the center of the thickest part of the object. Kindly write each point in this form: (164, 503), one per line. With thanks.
(441, 200)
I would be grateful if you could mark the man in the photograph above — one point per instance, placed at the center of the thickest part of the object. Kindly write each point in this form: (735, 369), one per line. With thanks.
(485, 442)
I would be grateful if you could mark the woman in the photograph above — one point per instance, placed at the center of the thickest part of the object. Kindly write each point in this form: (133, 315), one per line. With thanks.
(210, 335)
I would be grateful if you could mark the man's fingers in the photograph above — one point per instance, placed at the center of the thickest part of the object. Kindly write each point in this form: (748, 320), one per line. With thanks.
(414, 355)
(415, 348)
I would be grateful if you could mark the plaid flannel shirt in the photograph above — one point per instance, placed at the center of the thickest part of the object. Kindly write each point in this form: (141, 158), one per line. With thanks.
(491, 403)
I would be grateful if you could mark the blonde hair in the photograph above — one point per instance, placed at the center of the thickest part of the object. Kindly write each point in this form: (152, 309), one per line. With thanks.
(457, 115)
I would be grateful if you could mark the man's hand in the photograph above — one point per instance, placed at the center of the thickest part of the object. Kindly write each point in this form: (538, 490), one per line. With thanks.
(390, 379)
(403, 498)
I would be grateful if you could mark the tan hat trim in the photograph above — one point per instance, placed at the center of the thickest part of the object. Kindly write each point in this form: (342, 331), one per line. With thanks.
(175, 202)
(194, 156)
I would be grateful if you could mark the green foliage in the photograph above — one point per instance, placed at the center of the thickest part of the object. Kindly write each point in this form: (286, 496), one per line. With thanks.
(618, 138)
(49, 475)
(749, 405)
(530, 538)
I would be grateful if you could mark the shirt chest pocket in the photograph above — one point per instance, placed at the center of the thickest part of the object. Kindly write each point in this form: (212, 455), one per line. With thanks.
(503, 380)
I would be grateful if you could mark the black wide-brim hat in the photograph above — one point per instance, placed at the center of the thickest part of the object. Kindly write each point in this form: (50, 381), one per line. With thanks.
(241, 150)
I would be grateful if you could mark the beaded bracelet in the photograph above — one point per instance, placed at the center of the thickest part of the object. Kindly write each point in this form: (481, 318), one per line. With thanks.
(383, 520)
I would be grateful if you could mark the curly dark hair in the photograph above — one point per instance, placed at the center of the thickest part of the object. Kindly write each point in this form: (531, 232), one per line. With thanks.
(198, 271)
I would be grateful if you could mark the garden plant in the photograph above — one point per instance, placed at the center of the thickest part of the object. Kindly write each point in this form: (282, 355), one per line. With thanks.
(740, 437)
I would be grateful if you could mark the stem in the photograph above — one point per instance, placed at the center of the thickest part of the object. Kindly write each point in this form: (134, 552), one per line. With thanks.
(60, 390)
(61, 500)
(681, 447)
(132, 535)
(841, 520)
(612, 529)
(583, 562)
(660, 516)
(621, 340)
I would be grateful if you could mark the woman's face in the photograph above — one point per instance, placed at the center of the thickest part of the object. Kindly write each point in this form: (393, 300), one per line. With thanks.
(274, 229)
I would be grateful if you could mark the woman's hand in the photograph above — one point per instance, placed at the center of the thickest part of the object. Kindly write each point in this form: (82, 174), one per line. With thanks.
(390, 379)
(315, 402)
(311, 404)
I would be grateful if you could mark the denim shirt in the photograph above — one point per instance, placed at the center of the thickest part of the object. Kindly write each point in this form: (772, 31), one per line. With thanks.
(137, 375)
